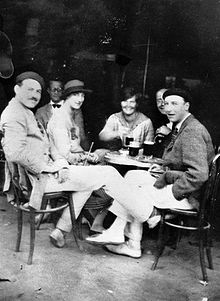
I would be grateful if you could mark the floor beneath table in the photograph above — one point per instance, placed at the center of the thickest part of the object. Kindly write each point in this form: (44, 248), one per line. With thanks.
(94, 274)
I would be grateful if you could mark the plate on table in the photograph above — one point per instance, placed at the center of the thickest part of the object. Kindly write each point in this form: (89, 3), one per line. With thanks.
(152, 160)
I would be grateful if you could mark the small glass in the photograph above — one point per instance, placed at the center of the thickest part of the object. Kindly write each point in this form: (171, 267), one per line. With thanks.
(127, 139)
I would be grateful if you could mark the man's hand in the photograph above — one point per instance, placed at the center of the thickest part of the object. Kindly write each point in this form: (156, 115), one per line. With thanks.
(63, 175)
(93, 158)
(156, 170)
(163, 130)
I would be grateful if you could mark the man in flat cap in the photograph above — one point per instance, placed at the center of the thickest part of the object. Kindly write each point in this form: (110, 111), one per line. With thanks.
(187, 157)
(26, 145)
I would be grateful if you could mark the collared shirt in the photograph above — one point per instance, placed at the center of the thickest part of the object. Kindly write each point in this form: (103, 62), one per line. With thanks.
(57, 103)
(178, 126)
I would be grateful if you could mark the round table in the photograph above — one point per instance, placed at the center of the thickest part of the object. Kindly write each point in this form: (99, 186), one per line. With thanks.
(123, 162)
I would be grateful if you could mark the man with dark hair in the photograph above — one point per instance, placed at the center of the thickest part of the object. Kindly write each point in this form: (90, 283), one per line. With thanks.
(187, 158)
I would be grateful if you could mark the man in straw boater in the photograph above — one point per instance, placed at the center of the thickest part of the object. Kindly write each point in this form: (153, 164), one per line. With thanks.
(25, 144)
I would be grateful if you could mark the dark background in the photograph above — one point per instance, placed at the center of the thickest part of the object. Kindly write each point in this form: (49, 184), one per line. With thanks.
(80, 39)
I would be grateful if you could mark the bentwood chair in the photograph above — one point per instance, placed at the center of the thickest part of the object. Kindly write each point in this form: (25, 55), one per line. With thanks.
(19, 203)
(200, 221)
(2, 165)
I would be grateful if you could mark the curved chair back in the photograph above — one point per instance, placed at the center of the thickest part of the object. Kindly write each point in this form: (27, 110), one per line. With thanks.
(201, 221)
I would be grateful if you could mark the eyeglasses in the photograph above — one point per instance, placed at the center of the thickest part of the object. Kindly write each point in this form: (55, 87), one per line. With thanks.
(58, 90)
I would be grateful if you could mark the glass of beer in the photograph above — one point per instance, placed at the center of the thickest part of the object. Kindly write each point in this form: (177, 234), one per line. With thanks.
(134, 148)
(149, 147)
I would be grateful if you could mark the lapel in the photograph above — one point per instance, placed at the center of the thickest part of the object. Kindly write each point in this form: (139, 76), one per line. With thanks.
(184, 124)
(48, 111)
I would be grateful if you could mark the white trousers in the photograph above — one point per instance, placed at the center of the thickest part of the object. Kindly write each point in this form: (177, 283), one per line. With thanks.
(142, 183)
(84, 179)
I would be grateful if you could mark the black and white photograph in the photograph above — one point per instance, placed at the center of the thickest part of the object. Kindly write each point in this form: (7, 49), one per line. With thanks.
(109, 150)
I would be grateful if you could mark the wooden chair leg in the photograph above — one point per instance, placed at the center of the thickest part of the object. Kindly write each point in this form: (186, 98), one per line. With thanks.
(32, 235)
(209, 249)
(19, 229)
(160, 243)
(43, 207)
(79, 224)
(179, 235)
(73, 219)
(202, 257)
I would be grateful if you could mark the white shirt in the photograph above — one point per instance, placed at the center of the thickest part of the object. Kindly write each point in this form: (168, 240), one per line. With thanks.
(57, 103)
(178, 126)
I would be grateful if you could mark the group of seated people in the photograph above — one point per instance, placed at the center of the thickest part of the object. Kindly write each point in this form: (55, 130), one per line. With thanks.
(50, 150)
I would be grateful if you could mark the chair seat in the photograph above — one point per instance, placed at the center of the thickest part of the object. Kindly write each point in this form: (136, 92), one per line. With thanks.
(205, 226)
(189, 212)
(51, 210)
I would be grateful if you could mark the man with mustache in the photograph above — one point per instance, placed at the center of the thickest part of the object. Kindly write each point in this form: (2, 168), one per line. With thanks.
(26, 144)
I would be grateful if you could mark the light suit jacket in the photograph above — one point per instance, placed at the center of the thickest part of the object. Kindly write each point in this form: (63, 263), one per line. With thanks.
(44, 114)
(188, 158)
(27, 145)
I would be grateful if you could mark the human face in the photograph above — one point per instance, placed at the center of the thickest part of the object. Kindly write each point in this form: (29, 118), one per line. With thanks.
(55, 90)
(129, 106)
(160, 101)
(176, 108)
(75, 100)
(28, 93)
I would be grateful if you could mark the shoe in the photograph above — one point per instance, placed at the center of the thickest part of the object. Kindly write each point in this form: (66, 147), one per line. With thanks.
(106, 238)
(57, 238)
(124, 249)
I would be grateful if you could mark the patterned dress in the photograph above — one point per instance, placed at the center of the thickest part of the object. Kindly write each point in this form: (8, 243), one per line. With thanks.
(141, 129)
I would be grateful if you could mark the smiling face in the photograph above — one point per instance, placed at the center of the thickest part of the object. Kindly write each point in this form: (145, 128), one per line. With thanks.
(176, 108)
(75, 100)
(28, 92)
(129, 106)
(160, 101)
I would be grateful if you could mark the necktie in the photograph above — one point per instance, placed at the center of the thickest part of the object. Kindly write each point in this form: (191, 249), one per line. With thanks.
(174, 133)
(56, 105)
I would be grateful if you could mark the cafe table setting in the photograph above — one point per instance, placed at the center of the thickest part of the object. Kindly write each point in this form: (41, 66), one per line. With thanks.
(134, 157)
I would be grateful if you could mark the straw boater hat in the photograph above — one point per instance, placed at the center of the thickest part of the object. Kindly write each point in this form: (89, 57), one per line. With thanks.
(75, 86)
(32, 75)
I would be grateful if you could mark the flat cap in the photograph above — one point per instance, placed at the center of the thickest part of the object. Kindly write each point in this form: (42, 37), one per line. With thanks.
(179, 92)
(32, 75)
